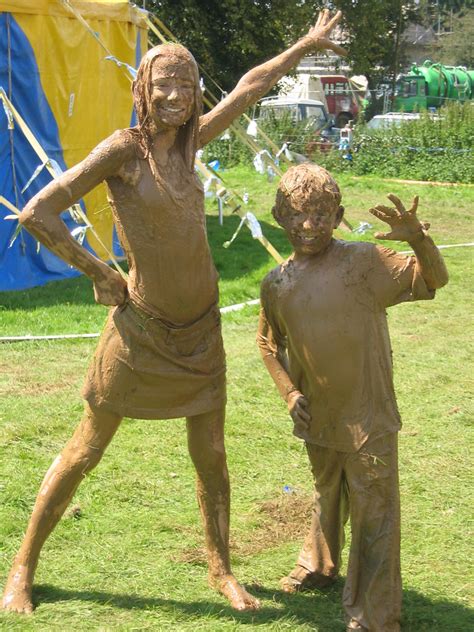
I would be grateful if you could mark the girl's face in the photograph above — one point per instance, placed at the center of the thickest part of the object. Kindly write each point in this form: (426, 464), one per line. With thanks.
(172, 93)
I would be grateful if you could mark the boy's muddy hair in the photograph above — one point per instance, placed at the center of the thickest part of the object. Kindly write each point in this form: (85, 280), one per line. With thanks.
(303, 185)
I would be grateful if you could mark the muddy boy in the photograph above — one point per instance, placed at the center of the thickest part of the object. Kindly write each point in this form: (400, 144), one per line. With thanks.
(324, 339)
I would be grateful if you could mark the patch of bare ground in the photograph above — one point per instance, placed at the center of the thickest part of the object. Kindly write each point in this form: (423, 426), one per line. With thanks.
(284, 519)
(19, 380)
(37, 388)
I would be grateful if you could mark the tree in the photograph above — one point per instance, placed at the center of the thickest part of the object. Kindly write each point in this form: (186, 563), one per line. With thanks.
(453, 22)
(373, 35)
(456, 47)
(440, 14)
(231, 36)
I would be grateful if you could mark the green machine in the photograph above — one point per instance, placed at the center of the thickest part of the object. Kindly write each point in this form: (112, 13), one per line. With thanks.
(432, 85)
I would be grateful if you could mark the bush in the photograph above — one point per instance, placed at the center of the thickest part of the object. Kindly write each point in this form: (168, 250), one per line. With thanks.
(425, 149)
(282, 130)
(229, 152)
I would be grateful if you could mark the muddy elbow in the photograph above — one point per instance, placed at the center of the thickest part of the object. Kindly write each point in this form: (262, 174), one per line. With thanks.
(439, 281)
(26, 217)
(33, 216)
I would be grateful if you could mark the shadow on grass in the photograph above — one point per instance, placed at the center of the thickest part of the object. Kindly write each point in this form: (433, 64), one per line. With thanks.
(314, 609)
(236, 262)
(321, 610)
(77, 291)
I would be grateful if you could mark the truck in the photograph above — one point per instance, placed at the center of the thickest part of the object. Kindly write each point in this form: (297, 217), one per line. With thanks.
(336, 92)
(432, 85)
(339, 94)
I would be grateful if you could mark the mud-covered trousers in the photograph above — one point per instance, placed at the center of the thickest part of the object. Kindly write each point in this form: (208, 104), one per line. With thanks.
(363, 486)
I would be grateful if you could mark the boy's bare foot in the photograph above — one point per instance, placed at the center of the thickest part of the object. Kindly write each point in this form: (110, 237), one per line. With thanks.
(238, 597)
(301, 579)
(17, 594)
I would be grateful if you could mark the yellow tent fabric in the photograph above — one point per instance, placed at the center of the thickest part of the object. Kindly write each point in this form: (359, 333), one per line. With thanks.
(89, 96)
(120, 10)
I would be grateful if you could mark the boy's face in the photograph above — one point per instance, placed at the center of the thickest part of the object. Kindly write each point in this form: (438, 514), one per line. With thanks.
(309, 226)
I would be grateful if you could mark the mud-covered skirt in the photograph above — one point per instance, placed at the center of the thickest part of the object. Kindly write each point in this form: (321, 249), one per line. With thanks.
(143, 368)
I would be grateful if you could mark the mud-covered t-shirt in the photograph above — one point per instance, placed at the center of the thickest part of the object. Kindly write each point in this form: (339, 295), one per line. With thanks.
(331, 318)
(162, 229)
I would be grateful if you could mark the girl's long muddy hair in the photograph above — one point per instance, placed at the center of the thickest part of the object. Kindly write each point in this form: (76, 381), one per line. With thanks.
(187, 137)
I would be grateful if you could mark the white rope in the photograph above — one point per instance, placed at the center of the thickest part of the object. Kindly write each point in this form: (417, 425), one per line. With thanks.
(238, 306)
(51, 337)
(223, 310)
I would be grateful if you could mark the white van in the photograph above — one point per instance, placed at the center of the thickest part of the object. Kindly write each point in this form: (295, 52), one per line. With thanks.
(310, 110)
(381, 121)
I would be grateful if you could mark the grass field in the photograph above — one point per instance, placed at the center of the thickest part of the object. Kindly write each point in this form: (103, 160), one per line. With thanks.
(130, 557)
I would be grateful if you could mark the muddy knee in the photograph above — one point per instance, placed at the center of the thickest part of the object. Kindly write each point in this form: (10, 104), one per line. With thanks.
(80, 456)
(92, 436)
(210, 464)
(89, 458)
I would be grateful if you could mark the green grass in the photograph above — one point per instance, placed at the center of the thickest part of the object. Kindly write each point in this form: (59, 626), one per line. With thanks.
(68, 306)
(133, 559)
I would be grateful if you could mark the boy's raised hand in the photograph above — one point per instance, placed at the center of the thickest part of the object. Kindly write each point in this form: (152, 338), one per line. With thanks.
(404, 224)
(298, 409)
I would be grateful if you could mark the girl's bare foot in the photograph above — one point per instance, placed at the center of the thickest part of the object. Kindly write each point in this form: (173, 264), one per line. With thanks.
(17, 594)
(238, 597)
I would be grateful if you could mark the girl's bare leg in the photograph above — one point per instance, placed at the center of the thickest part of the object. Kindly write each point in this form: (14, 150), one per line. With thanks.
(206, 447)
(80, 455)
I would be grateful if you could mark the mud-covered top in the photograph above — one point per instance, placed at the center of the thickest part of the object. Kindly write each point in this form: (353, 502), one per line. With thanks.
(330, 316)
(162, 229)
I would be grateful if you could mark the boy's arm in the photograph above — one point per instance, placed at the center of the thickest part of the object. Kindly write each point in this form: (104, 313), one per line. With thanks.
(275, 359)
(405, 226)
(258, 81)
